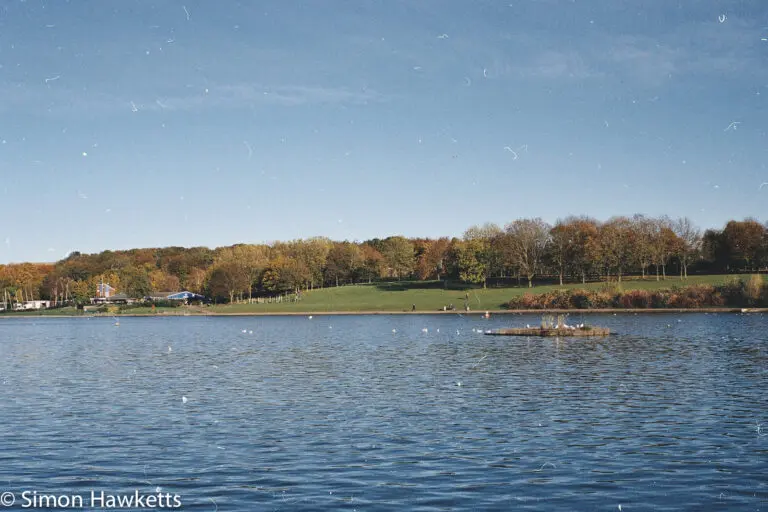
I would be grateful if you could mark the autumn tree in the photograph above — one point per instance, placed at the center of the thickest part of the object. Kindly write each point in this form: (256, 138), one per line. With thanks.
(343, 262)
(253, 260)
(431, 262)
(227, 278)
(373, 263)
(744, 240)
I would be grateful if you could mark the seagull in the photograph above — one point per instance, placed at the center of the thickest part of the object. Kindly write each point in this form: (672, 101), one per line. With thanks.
(443, 36)
(511, 151)
(733, 125)
(183, 399)
(762, 185)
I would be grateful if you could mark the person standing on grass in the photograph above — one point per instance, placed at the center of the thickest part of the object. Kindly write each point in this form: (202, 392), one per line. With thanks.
(413, 307)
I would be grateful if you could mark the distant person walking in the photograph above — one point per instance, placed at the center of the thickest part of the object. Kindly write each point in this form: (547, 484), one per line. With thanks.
(413, 307)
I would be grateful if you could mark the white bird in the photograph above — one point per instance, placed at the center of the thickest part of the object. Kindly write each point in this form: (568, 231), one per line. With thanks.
(310, 317)
(170, 349)
(394, 330)
(443, 36)
(733, 125)
(250, 332)
(183, 399)
(425, 330)
(243, 331)
(762, 185)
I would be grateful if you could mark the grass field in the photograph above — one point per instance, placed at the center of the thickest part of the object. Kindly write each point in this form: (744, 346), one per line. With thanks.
(431, 296)
(398, 296)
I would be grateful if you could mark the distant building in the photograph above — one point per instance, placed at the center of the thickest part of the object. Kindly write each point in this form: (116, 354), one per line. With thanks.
(104, 291)
(106, 294)
(183, 295)
(29, 305)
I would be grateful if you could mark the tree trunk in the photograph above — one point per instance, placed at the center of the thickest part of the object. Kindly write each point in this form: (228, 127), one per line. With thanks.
(231, 296)
(664, 271)
(657, 272)
(583, 277)
(642, 270)
(561, 276)
(530, 281)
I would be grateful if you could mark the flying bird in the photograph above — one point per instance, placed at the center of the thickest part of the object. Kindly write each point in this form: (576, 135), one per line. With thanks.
(762, 185)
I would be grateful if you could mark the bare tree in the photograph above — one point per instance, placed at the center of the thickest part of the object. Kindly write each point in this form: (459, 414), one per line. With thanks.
(689, 242)
(617, 244)
(644, 228)
(528, 239)
(664, 240)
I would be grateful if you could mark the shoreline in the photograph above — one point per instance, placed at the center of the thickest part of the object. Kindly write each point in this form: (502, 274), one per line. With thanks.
(492, 312)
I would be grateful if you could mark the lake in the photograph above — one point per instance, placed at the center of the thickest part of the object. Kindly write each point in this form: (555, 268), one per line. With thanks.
(373, 413)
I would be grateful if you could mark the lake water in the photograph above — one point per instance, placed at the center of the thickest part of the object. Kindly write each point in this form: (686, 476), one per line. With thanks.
(342, 413)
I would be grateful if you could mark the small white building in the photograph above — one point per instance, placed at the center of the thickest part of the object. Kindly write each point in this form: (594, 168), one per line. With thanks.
(29, 305)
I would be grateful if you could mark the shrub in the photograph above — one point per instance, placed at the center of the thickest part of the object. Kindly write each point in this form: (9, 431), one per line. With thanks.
(636, 299)
(732, 292)
(660, 299)
(580, 299)
(753, 288)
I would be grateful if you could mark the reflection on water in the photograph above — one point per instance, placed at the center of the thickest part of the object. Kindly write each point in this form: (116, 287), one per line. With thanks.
(344, 413)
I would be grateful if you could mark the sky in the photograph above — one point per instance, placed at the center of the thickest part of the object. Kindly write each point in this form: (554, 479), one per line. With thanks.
(197, 123)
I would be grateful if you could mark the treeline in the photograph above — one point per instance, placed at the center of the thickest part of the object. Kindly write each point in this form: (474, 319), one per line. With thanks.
(575, 249)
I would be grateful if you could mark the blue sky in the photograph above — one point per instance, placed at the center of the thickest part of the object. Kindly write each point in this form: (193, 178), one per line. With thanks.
(146, 124)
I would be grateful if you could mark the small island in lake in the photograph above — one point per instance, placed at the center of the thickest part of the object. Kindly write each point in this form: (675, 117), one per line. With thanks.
(549, 327)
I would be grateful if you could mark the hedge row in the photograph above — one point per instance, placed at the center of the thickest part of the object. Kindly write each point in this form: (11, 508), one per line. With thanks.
(738, 293)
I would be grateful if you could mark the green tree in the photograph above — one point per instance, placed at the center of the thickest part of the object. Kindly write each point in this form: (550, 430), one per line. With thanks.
(398, 256)
(471, 269)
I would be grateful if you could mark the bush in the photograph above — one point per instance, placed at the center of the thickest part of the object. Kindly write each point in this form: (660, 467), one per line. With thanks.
(753, 288)
(695, 296)
(636, 299)
(732, 292)
(581, 299)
